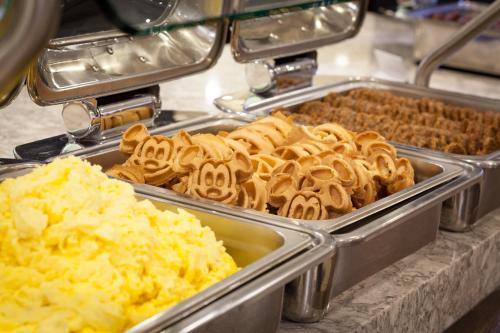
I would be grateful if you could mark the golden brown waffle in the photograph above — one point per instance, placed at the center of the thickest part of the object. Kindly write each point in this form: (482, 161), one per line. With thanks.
(271, 165)
(263, 135)
(253, 194)
(215, 179)
(130, 173)
(264, 164)
(132, 137)
(313, 195)
(154, 156)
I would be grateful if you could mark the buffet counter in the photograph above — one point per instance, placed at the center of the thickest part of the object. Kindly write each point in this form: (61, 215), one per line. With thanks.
(424, 292)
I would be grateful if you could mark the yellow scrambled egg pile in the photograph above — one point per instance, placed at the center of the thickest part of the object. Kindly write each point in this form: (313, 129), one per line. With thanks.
(79, 253)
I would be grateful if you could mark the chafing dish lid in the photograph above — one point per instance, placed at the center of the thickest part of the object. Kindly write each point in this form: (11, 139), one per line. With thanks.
(106, 47)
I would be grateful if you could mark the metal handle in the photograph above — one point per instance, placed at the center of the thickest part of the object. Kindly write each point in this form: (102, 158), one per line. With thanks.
(455, 43)
(26, 28)
(277, 76)
(88, 120)
(8, 161)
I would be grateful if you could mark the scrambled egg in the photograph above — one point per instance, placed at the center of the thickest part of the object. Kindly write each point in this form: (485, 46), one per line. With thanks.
(79, 253)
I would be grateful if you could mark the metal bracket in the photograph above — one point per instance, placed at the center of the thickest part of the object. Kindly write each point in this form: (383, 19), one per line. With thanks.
(106, 117)
(273, 77)
(457, 41)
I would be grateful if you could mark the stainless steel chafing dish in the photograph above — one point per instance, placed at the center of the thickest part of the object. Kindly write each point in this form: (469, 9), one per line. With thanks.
(108, 79)
(476, 207)
(242, 104)
(404, 221)
(279, 49)
(270, 255)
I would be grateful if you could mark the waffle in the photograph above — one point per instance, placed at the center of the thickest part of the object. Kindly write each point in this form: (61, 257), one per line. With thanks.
(270, 165)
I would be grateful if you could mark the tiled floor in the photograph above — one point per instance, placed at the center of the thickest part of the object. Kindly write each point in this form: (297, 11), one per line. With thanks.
(484, 318)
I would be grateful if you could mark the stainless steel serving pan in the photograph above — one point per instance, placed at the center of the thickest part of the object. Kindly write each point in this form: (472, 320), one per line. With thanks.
(270, 255)
(489, 163)
(400, 231)
(377, 237)
(382, 239)
(428, 175)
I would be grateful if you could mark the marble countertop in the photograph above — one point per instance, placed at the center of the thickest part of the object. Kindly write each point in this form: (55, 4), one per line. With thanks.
(424, 292)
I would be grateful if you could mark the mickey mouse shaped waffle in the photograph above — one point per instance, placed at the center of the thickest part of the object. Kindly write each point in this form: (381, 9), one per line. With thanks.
(270, 165)
(212, 178)
(310, 192)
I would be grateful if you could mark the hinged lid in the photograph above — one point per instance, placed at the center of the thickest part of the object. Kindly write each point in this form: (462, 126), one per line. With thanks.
(291, 32)
(90, 57)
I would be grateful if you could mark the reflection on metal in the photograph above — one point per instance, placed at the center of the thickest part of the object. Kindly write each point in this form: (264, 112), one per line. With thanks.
(456, 42)
(102, 67)
(291, 33)
(6, 99)
(85, 21)
(26, 27)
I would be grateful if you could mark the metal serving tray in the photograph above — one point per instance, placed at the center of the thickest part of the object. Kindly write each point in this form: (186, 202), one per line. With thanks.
(398, 232)
(271, 255)
(428, 174)
(489, 163)
(410, 226)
